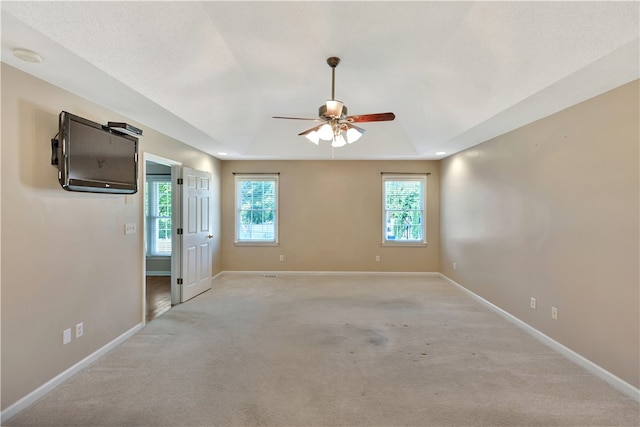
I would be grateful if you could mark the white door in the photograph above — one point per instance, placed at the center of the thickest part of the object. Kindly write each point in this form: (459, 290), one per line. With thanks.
(196, 233)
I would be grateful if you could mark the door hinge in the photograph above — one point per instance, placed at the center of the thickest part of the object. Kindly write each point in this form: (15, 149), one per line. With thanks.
(179, 231)
(180, 181)
(179, 281)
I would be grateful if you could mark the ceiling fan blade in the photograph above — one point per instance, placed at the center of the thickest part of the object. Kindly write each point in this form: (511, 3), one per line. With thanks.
(310, 130)
(297, 118)
(379, 117)
(350, 125)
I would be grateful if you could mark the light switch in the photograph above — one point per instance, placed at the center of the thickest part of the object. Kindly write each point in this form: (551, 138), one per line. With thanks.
(130, 228)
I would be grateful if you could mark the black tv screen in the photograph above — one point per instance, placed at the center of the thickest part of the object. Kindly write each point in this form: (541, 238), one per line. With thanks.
(94, 158)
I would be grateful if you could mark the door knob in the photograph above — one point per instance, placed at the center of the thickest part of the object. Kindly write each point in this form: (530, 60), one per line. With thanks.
(210, 236)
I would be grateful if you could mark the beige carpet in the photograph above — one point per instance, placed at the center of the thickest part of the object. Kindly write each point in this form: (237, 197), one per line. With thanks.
(332, 351)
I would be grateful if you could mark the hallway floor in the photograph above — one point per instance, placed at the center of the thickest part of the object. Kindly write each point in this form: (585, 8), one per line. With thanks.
(158, 296)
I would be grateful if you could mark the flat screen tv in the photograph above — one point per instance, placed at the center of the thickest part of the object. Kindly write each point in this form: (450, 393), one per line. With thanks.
(94, 158)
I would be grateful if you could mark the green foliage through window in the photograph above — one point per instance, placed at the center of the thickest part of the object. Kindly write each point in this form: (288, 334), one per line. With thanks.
(404, 208)
(158, 212)
(256, 200)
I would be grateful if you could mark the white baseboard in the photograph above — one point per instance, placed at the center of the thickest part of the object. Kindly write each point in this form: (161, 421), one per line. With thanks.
(38, 393)
(158, 273)
(328, 273)
(598, 371)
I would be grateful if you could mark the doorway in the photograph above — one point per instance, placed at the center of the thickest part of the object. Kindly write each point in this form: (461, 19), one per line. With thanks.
(159, 253)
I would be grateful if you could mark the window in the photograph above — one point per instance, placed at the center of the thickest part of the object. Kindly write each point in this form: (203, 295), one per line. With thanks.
(404, 203)
(158, 212)
(257, 209)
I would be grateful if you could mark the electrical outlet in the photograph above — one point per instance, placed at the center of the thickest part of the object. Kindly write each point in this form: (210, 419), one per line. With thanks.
(533, 303)
(554, 313)
(281, 257)
(66, 336)
(79, 330)
(377, 258)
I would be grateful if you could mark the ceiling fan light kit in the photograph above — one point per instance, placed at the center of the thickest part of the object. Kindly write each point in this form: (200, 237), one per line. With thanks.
(337, 126)
(333, 109)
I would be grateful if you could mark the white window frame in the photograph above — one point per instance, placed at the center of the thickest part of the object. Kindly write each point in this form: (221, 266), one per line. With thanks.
(150, 219)
(423, 196)
(239, 178)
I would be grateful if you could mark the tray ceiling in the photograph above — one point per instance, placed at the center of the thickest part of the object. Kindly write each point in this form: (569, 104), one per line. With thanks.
(212, 74)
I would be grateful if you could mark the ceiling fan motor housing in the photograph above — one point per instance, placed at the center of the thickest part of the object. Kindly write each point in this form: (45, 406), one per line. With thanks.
(322, 112)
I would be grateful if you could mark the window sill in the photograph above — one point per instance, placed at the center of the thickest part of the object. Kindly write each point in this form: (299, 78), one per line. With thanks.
(256, 244)
(405, 244)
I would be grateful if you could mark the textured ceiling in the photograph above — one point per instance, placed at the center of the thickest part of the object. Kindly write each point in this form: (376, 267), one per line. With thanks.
(212, 74)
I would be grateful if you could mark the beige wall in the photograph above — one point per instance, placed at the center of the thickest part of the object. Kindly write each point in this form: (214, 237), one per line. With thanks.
(330, 218)
(551, 211)
(65, 257)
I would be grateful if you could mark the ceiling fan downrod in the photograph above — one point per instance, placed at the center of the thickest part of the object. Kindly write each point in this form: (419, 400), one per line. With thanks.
(333, 63)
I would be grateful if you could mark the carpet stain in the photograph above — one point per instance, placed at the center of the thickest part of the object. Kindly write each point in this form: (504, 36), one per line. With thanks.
(398, 304)
(254, 415)
(376, 337)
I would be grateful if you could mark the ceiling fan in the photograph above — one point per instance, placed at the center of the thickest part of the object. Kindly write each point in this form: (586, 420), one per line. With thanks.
(336, 125)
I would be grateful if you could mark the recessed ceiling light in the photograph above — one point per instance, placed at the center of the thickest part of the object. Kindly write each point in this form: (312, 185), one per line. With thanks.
(222, 154)
(27, 55)
(441, 153)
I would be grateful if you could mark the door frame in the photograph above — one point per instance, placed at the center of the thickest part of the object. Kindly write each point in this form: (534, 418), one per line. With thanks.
(175, 221)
